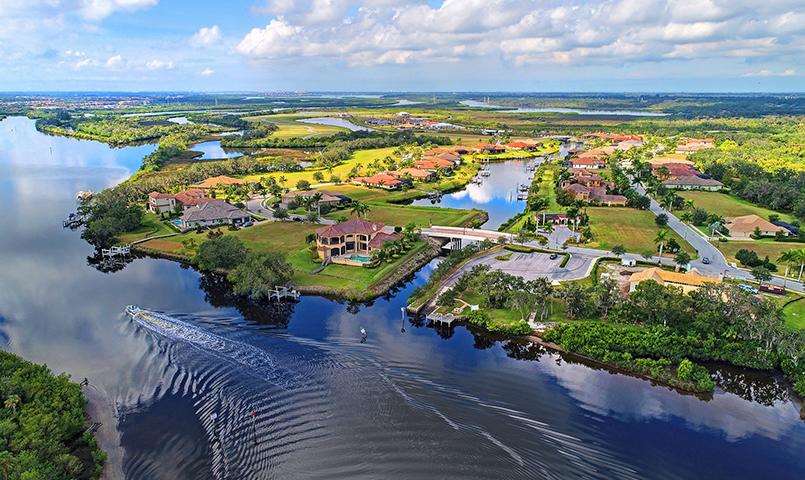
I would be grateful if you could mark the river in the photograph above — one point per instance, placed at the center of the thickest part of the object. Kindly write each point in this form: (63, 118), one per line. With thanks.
(411, 402)
(577, 111)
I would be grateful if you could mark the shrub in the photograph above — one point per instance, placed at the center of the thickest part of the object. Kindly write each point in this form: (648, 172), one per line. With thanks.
(224, 252)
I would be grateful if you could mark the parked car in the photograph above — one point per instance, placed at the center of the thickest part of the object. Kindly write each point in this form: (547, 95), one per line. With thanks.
(705, 260)
(772, 289)
(554, 256)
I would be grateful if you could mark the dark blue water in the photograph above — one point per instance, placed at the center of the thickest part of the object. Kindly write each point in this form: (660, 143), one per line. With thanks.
(417, 403)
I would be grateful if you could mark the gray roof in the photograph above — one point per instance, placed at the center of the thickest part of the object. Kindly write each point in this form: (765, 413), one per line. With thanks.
(213, 210)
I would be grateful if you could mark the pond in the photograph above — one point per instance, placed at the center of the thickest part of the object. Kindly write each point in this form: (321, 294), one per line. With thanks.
(336, 122)
(291, 391)
(213, 149)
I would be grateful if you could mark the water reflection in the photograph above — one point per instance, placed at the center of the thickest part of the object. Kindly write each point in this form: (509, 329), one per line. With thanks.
(213, 150)
(496, 194)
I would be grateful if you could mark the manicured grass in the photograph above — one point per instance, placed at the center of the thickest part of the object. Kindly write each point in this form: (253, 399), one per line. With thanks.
(151, 226)
(634, 229)
(362, 158)
(289, 126)
(794, 314)
(763, 248)
(727, 205)
(289, 238)
(547, 186)
(401, 215)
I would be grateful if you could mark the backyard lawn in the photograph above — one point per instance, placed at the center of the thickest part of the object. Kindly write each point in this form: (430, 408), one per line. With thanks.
(151, 226)
(401, 215)
(289, 238)
(729, 206)
(634, 229)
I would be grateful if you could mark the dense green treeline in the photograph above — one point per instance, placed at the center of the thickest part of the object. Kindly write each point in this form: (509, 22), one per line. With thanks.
(43, 428)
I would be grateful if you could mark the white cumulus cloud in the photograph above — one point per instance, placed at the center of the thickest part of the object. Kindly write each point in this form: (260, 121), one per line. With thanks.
(207, 72)
(100, 9)
(157, 64)
(206, 36)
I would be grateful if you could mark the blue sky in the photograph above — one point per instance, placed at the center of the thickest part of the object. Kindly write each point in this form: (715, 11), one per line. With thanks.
(410, 45)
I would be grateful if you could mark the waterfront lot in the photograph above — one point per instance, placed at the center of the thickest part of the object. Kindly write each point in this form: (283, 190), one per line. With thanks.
(289, 126)
(290, 239)
(727, 205)
(634, 229)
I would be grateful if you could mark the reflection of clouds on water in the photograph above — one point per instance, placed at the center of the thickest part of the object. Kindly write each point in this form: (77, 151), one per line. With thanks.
(459, 195)
(631, 398)
(480, 194)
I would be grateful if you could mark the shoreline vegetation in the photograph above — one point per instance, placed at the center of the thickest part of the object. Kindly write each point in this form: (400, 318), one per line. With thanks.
(44, 426)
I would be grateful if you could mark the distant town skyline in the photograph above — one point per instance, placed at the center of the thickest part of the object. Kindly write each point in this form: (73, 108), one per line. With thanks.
(382, 45)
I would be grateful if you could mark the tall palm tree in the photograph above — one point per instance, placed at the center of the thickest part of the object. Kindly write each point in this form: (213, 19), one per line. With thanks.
(793, 257)
(360, 209)
(661, 238)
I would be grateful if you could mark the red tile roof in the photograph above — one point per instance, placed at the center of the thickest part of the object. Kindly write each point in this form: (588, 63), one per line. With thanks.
(351, 226)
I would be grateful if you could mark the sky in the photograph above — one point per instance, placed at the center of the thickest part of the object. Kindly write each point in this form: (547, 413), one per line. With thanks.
(405, 45)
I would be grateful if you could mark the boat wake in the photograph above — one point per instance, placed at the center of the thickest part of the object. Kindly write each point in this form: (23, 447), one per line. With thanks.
(257, 361)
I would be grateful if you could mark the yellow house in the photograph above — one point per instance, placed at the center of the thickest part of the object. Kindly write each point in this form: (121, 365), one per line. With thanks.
(686, 281)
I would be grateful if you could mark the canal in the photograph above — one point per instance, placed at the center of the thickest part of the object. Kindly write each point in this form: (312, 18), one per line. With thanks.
(307, 399)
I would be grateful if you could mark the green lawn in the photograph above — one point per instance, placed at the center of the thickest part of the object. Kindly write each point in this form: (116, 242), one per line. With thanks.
(401, 215)
(547, 186)
(151, 226)
(634, 229)
(289, 238)
(362, 158)
(727, 205)
(289, 126)
(763, 248)
(794, 314)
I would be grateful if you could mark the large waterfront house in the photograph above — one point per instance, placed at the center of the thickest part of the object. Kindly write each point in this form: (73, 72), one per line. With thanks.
(687, 281)
(746, 226)
(595, 195)
(352, 242)
(212, 213)
(161, 203)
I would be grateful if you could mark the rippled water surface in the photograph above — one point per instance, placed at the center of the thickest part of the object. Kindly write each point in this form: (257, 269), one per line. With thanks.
(225, 390)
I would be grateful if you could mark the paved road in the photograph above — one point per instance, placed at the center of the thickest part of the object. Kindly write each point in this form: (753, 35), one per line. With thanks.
(255, 205)
(718, 265)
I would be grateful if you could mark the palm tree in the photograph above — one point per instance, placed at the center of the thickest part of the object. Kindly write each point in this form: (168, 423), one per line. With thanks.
(793, 257)
(360, 209)
(661, 238)
(12, 402)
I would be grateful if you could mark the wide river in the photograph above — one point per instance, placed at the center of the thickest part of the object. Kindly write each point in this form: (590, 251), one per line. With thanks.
(292, 392)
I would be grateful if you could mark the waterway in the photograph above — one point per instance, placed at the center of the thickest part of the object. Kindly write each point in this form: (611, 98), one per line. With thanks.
(627, 113)
(291, 392)
(213, 149)
(336, 122)
(497, 193)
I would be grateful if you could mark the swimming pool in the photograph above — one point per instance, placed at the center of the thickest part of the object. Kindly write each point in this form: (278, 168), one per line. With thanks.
(360, 258)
